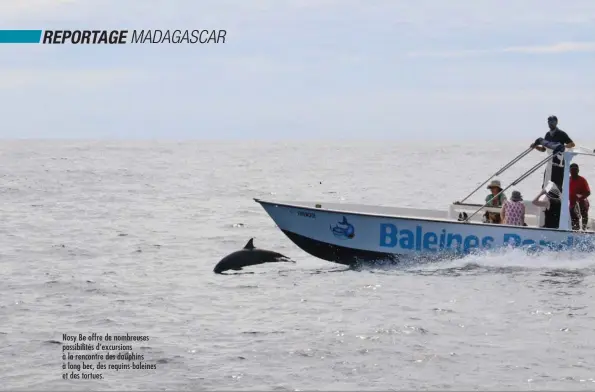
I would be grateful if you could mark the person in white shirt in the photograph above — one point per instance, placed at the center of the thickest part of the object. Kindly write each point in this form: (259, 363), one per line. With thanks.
(549, 198)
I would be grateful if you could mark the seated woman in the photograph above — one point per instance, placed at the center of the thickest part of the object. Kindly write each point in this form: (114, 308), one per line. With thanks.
(494, 202)
(513, 210)
(549, 197)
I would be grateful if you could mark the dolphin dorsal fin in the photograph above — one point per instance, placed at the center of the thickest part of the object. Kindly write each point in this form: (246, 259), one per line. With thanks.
(250, 244)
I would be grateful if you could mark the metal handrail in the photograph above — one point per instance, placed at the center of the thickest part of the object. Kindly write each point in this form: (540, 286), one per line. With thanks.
(515, 182)
(502, 170)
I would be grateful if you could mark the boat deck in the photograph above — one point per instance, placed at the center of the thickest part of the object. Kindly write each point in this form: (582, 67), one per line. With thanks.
(534, 216)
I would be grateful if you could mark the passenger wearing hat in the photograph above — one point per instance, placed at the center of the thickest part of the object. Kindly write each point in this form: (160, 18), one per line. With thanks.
(555, 135)
(513, 210)
(494, 202)
(550, 198)
(579, 191)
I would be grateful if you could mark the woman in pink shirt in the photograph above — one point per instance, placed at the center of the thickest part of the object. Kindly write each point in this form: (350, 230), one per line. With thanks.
(513, 210)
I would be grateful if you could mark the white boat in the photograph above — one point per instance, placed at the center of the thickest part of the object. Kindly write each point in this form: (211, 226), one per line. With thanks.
(352, 233)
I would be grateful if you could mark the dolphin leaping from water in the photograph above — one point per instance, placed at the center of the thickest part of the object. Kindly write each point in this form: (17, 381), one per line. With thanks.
(247, 256)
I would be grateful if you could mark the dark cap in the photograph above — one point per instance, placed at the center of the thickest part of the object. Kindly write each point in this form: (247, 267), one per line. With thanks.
(552, 118)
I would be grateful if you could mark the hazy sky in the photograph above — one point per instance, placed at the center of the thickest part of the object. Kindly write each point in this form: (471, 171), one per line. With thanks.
(309, 69)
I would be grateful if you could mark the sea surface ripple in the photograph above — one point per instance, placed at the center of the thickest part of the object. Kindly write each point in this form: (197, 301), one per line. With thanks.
(121, 237)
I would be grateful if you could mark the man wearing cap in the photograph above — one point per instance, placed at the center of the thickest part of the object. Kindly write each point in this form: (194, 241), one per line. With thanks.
(555, 135)
(549, 198)
(579, 191)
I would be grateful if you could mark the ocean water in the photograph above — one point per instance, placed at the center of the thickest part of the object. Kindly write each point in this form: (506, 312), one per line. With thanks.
(121, 238)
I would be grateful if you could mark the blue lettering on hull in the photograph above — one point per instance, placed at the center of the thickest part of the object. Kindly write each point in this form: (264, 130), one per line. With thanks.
(428, 241)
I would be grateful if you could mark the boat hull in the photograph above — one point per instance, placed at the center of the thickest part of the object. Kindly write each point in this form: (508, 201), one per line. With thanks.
(350, 237)
(339, 254)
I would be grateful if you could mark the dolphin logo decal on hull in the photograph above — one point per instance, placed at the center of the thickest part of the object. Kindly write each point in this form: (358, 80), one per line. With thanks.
(343, 230)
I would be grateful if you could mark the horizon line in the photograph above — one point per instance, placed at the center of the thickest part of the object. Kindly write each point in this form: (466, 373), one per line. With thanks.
(448, 141)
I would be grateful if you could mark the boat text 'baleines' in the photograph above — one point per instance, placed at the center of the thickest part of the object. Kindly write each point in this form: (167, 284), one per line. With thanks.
(421, 239)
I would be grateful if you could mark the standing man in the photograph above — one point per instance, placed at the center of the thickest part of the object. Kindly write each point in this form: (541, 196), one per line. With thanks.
(579, 191)
(555, 135)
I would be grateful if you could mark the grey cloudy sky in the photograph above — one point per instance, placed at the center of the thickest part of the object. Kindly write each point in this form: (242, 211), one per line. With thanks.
(310, 69)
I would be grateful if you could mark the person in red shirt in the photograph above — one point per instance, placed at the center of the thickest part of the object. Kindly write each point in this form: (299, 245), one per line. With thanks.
(579, 191)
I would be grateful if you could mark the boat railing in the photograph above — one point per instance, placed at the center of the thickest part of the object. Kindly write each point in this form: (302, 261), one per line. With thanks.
(515, 182)
(533, 214)
(500, 171)
(567, 155)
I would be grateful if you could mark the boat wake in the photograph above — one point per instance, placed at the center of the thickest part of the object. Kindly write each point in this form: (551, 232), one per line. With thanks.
(524, 260)
(502, 260)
